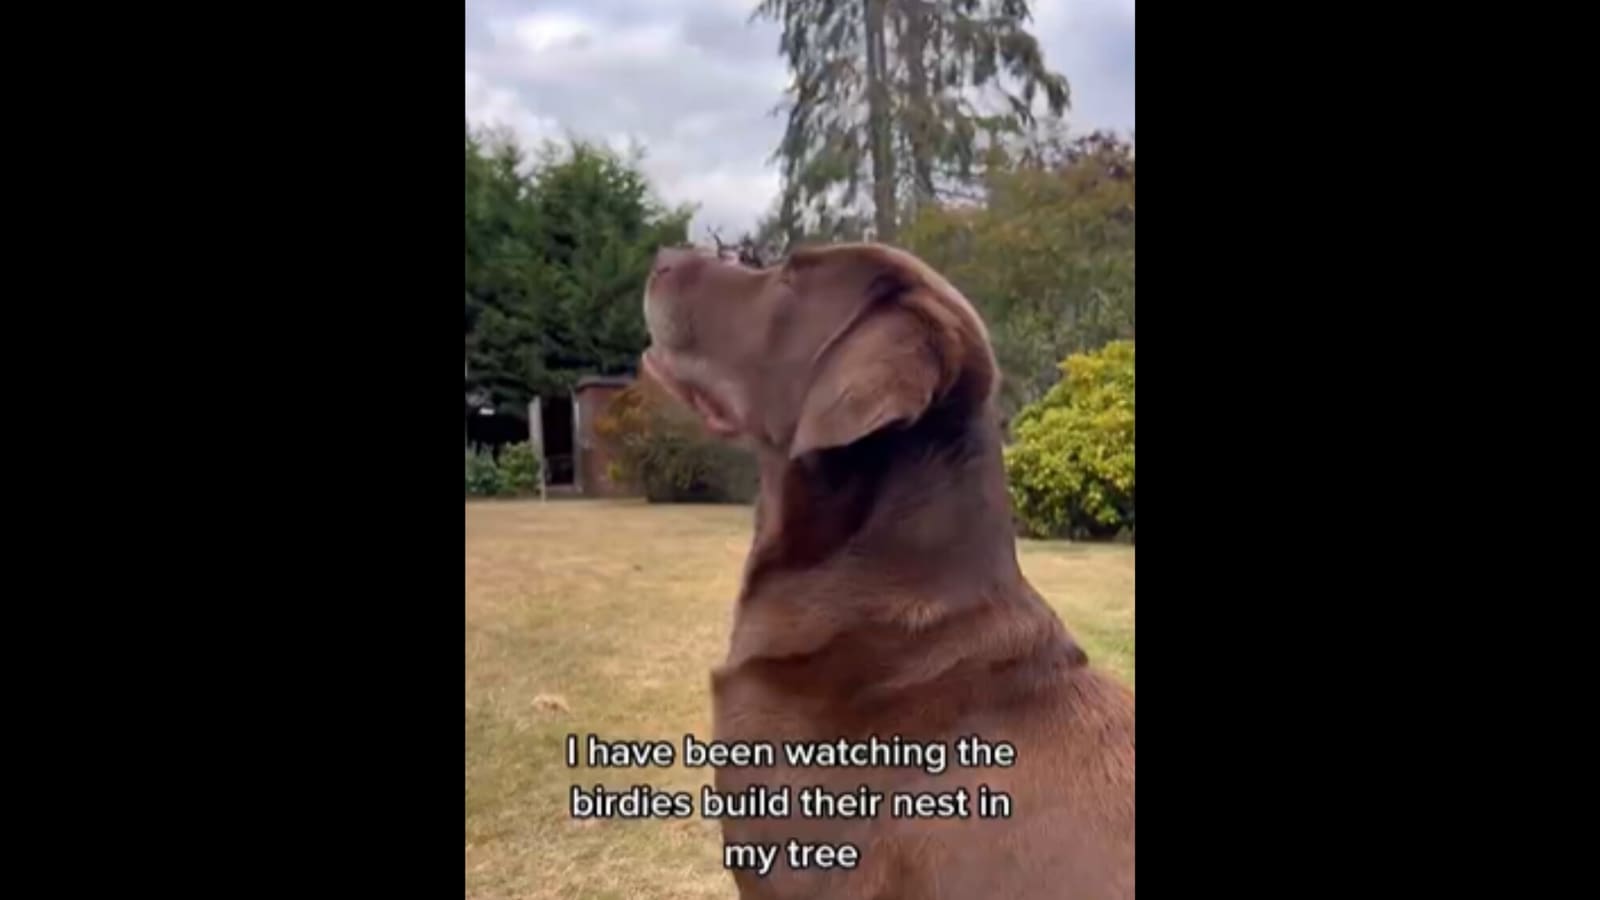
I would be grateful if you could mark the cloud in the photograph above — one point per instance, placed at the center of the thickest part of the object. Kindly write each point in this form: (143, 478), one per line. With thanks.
(1091, 42)
(695, 82)
(487, 104)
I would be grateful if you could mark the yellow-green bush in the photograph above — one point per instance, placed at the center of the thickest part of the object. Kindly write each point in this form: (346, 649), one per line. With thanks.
(1070, 467)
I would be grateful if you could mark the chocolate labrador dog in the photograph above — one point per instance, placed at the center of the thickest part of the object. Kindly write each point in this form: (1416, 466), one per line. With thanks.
(882, 607)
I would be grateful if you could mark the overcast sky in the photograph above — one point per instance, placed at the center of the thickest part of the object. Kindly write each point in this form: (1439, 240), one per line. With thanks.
(693, 83)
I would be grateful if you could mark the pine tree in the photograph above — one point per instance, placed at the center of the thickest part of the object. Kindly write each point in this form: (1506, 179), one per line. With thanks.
(912, 97)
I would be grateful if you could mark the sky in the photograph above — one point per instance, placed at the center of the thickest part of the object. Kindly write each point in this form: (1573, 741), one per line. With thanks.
(694, 83)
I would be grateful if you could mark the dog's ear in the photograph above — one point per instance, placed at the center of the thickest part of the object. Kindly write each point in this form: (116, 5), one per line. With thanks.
(915, 341)
(886, 370)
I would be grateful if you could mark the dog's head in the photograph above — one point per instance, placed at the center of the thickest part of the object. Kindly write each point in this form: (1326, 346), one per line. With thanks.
(831, 345)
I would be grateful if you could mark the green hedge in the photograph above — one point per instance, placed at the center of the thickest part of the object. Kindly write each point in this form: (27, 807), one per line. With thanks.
(1070, 467)
(521, 468)
(517, 473)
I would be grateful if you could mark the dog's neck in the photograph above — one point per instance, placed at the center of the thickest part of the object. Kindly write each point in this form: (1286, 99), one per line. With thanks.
(895, 534)
(927, 493)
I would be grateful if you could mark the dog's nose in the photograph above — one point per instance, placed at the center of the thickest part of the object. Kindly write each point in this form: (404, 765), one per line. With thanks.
(667, 258)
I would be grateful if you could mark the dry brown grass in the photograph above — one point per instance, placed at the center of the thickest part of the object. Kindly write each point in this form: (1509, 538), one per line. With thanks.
(605, 617)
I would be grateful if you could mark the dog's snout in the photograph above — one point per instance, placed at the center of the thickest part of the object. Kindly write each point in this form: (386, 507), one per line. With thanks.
(664, 314)
(667, 259)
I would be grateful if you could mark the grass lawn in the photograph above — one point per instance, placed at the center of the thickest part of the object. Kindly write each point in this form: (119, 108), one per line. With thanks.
(606, 617)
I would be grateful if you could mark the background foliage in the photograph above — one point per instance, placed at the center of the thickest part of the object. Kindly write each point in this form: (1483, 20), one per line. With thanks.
(665, 451)
(1071, 468)
(557, 250)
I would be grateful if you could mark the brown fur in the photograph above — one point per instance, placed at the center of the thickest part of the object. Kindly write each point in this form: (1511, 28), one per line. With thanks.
(882, 594)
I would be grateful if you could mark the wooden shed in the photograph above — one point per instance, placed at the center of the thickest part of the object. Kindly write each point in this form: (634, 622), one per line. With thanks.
(591, 396)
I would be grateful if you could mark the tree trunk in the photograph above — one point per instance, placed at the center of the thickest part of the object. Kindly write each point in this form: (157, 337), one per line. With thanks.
(878, 121)
(915, 37)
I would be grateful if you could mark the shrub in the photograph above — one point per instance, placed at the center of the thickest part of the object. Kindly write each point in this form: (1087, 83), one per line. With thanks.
(521, 468)
(1070, 468)
(484, 478)
(662, 449)
(1048, 259)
